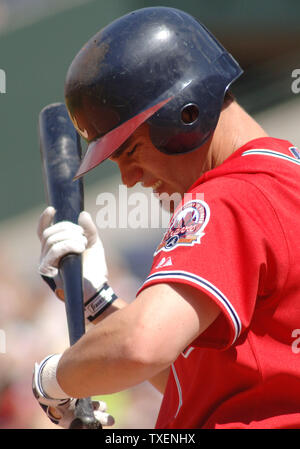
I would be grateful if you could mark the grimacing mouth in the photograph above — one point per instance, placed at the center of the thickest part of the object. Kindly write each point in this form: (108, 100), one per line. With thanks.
(156, 185)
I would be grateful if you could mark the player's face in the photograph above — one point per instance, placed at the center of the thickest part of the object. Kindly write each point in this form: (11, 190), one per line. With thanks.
(140, 161)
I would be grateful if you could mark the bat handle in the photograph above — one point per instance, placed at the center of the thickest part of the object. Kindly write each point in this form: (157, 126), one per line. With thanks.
(71, 272)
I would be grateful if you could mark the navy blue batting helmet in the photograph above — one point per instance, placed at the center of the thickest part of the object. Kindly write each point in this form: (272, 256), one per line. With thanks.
(157, 65)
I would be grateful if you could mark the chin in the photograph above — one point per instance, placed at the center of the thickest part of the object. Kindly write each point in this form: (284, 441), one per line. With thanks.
(168, 201)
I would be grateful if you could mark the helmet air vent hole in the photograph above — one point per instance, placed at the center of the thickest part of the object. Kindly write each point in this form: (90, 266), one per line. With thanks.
(189, 113)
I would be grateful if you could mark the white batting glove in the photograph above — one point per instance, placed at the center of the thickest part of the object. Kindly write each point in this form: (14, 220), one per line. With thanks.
(62, 411)
(64, 238)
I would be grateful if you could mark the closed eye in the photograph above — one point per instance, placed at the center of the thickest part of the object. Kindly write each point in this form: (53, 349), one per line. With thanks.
(122, 150)
(133, 150)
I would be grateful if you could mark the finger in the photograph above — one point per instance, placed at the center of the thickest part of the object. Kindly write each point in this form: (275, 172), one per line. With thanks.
(45, 221)
(50, 272)
(66, 226)
(104, 418)
(85, 220)
(100, 405)
(56, 243)
(57, 251)
(62, 226)
(63, 236)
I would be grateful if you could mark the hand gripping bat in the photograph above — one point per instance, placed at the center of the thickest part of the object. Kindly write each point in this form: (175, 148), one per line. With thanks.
(61, 155)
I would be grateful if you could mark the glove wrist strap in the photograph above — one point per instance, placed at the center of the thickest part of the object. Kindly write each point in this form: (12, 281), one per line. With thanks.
(96, 305)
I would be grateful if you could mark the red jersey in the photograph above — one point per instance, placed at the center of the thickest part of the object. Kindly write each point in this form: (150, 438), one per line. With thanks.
(237, 239)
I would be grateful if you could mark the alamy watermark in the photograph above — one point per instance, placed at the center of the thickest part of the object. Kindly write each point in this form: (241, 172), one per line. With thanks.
(295, 86)
(2, 82)
(138, 209)
(2, 342)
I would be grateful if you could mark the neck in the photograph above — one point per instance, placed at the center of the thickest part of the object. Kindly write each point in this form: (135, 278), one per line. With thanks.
(235, 128)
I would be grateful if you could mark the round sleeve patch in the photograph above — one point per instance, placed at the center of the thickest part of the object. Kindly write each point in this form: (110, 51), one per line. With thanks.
(186, 227)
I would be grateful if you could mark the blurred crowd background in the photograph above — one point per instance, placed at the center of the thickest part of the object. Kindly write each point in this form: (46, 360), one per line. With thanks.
(38, 40)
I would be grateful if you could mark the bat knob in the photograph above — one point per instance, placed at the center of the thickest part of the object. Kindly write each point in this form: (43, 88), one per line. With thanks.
(85, 423)
(84, 416)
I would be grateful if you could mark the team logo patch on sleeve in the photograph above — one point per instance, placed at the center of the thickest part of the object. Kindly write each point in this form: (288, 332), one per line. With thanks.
(186, 227)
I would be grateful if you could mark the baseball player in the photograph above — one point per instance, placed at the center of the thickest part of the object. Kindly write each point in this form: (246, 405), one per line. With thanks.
(213, 326)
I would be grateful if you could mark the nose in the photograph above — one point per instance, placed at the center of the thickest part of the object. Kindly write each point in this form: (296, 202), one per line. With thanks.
(131, 175)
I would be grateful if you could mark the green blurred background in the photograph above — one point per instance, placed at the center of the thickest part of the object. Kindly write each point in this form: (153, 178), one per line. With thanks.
(38, 40)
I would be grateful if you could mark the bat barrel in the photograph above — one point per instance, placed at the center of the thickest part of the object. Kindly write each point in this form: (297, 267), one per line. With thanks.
(61, 162)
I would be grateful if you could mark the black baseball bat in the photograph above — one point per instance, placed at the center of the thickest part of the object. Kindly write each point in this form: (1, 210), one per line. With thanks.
(61, 156)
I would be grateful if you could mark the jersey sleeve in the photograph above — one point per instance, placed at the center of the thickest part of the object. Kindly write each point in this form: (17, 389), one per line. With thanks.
(225, 240)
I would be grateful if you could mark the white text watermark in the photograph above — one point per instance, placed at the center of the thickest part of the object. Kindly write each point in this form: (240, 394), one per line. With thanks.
(2, 82)
(296, 342)
(138, 210)
(296, 83)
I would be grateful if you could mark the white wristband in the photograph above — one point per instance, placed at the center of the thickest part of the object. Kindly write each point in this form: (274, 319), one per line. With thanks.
(48, 378)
